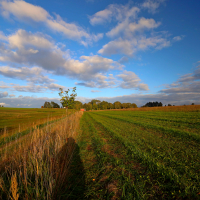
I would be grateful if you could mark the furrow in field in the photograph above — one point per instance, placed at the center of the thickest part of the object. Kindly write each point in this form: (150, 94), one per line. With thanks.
(188, 125)
(150, 125)
(163, 159)
(133, 180)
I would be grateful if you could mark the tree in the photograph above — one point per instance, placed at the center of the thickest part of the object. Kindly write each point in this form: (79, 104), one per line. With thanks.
(78, 105)
(54, 105)
(134, 105)
(47, 105)
(153, 104)
(67, 100)
(117, 105)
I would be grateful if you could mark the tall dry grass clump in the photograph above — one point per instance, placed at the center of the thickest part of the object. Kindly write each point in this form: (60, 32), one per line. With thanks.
(38, 166)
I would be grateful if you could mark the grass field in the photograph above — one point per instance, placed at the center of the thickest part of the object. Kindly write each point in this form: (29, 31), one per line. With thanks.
(12, 119)
(145, 153)
(141, 155)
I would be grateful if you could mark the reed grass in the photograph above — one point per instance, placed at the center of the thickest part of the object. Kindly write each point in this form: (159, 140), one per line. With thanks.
(38, 166)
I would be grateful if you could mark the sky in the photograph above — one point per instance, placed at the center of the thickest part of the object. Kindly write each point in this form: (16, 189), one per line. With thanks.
(127, 51)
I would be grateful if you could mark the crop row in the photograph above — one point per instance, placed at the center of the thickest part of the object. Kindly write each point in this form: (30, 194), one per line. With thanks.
(168, 159)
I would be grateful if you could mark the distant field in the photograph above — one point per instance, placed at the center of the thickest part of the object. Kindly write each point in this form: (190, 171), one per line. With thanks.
(150, 154)
(12, 118)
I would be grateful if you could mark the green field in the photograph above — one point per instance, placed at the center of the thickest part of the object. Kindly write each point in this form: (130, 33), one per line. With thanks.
(12, 118)
(141, 155)
(126, 154)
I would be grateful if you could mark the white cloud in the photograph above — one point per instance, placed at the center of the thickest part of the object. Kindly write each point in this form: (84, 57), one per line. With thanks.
(129, 47)
(188, 83)
(100, 81)
(128, 28)
(23, 39)
(12, 95)
(118, 46)
(178, 38)
(3, 85)
(25, 11)
(114, 12)
(2, 36)
(131, 81)
(152, 5)
(3, 94)
(95, 91)
(33, 74)
(49, 58)
(27, 101)
(101, 16)
(22, 48)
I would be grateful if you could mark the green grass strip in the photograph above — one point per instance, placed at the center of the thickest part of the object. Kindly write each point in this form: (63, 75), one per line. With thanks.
(171, 131)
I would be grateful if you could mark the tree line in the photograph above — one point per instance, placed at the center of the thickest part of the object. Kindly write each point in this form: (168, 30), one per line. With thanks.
(96, 104)
(50, 105)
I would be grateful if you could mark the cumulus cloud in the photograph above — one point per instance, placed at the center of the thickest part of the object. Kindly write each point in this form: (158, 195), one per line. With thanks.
(100, 81)
(22, 47)
(152, 5)
(33, 74)
(131, 33)
(24, 11)
(49, 58)
(131, 81)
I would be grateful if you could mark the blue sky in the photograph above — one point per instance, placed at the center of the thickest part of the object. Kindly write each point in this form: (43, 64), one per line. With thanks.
(131, 51)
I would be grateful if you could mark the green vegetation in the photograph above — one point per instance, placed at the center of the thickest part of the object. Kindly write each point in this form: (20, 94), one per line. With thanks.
(12, 119)
(141, 155)
(67, 100)
(104, 105)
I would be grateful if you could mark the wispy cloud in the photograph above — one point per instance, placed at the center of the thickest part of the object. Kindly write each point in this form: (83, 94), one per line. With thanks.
(130, 46)
(188, 83)
(152, 5)
(95, 91)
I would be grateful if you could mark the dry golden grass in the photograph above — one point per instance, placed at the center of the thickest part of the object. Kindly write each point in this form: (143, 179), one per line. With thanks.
(14, 187)
(40, 162)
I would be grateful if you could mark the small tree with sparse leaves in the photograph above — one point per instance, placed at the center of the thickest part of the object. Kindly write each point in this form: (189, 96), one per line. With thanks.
(67, 100)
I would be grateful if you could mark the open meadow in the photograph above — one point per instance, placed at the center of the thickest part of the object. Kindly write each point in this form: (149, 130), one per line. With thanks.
(143, 153)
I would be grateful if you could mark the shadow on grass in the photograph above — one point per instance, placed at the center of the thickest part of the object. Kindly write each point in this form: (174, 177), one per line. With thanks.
(70, 179)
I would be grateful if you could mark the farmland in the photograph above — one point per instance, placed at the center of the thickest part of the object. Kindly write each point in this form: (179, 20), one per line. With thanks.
(12, 118)
(142, 153)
